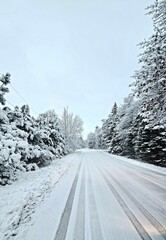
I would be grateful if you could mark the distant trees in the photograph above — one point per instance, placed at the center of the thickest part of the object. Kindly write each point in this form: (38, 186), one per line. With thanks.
(95, 140)
(91, 140)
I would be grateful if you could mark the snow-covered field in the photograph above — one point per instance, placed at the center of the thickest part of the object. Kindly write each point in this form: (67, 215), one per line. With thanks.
(88, 195)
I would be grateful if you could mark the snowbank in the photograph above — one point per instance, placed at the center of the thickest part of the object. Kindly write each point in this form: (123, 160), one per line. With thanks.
(139, 163)
(19, 200)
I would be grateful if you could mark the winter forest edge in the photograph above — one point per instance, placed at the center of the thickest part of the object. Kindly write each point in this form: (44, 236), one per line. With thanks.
(27, 143)
(136, 129)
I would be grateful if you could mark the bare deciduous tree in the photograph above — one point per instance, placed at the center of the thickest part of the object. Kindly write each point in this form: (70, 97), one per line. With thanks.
(72, 128)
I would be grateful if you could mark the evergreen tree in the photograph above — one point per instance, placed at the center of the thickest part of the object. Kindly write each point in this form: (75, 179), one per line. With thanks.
(4, 81)
(109, 127)
(150, 87)
(121, 142)
(49, 126)
(26, 142)
(98, 136)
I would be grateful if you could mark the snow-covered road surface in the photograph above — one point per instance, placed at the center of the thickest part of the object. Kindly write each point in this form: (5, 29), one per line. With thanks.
(105, 197)
(102, 197)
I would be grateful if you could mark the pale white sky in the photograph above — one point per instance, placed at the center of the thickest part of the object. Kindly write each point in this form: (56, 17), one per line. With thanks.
(72, 53)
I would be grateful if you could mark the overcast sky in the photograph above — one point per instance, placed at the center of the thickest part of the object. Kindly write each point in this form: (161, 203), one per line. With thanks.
(75, 53)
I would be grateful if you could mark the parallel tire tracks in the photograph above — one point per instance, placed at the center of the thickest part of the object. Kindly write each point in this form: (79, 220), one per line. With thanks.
(79, 232)
(159, 227)
(95, 223)
(138, 226)
(144, 175)
(64, 221)
(155, 185)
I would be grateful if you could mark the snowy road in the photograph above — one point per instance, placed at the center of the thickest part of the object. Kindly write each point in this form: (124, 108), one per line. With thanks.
(103, 197)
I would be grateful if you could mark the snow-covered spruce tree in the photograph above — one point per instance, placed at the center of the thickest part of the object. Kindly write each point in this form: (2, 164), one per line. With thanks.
(26, 143)
(104, 133)
(150, 87)
(71, 127)
(14, 146)
(99, 140)
(4, 81)
(127, 112)
(108, 128)
(44, 140)
(50, 134)
(12, 140)
(33, 153)
(7, 156)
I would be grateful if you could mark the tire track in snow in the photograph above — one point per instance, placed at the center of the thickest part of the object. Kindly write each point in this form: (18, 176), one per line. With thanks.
(144, 174)
(96, 232)
(79, 232)
(64, 221)
(129, 173)
(138, 226)
(158, 226)
(154, 184)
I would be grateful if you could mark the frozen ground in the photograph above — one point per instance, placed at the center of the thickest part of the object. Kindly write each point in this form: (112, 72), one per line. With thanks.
(100, 197)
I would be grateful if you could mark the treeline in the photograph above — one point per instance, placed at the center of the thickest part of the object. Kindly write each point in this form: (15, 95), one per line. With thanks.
(137, 128)
(27, 143)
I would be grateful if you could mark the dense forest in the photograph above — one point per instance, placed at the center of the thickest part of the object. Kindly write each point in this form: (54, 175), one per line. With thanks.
(27, 143)
(137, 128)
